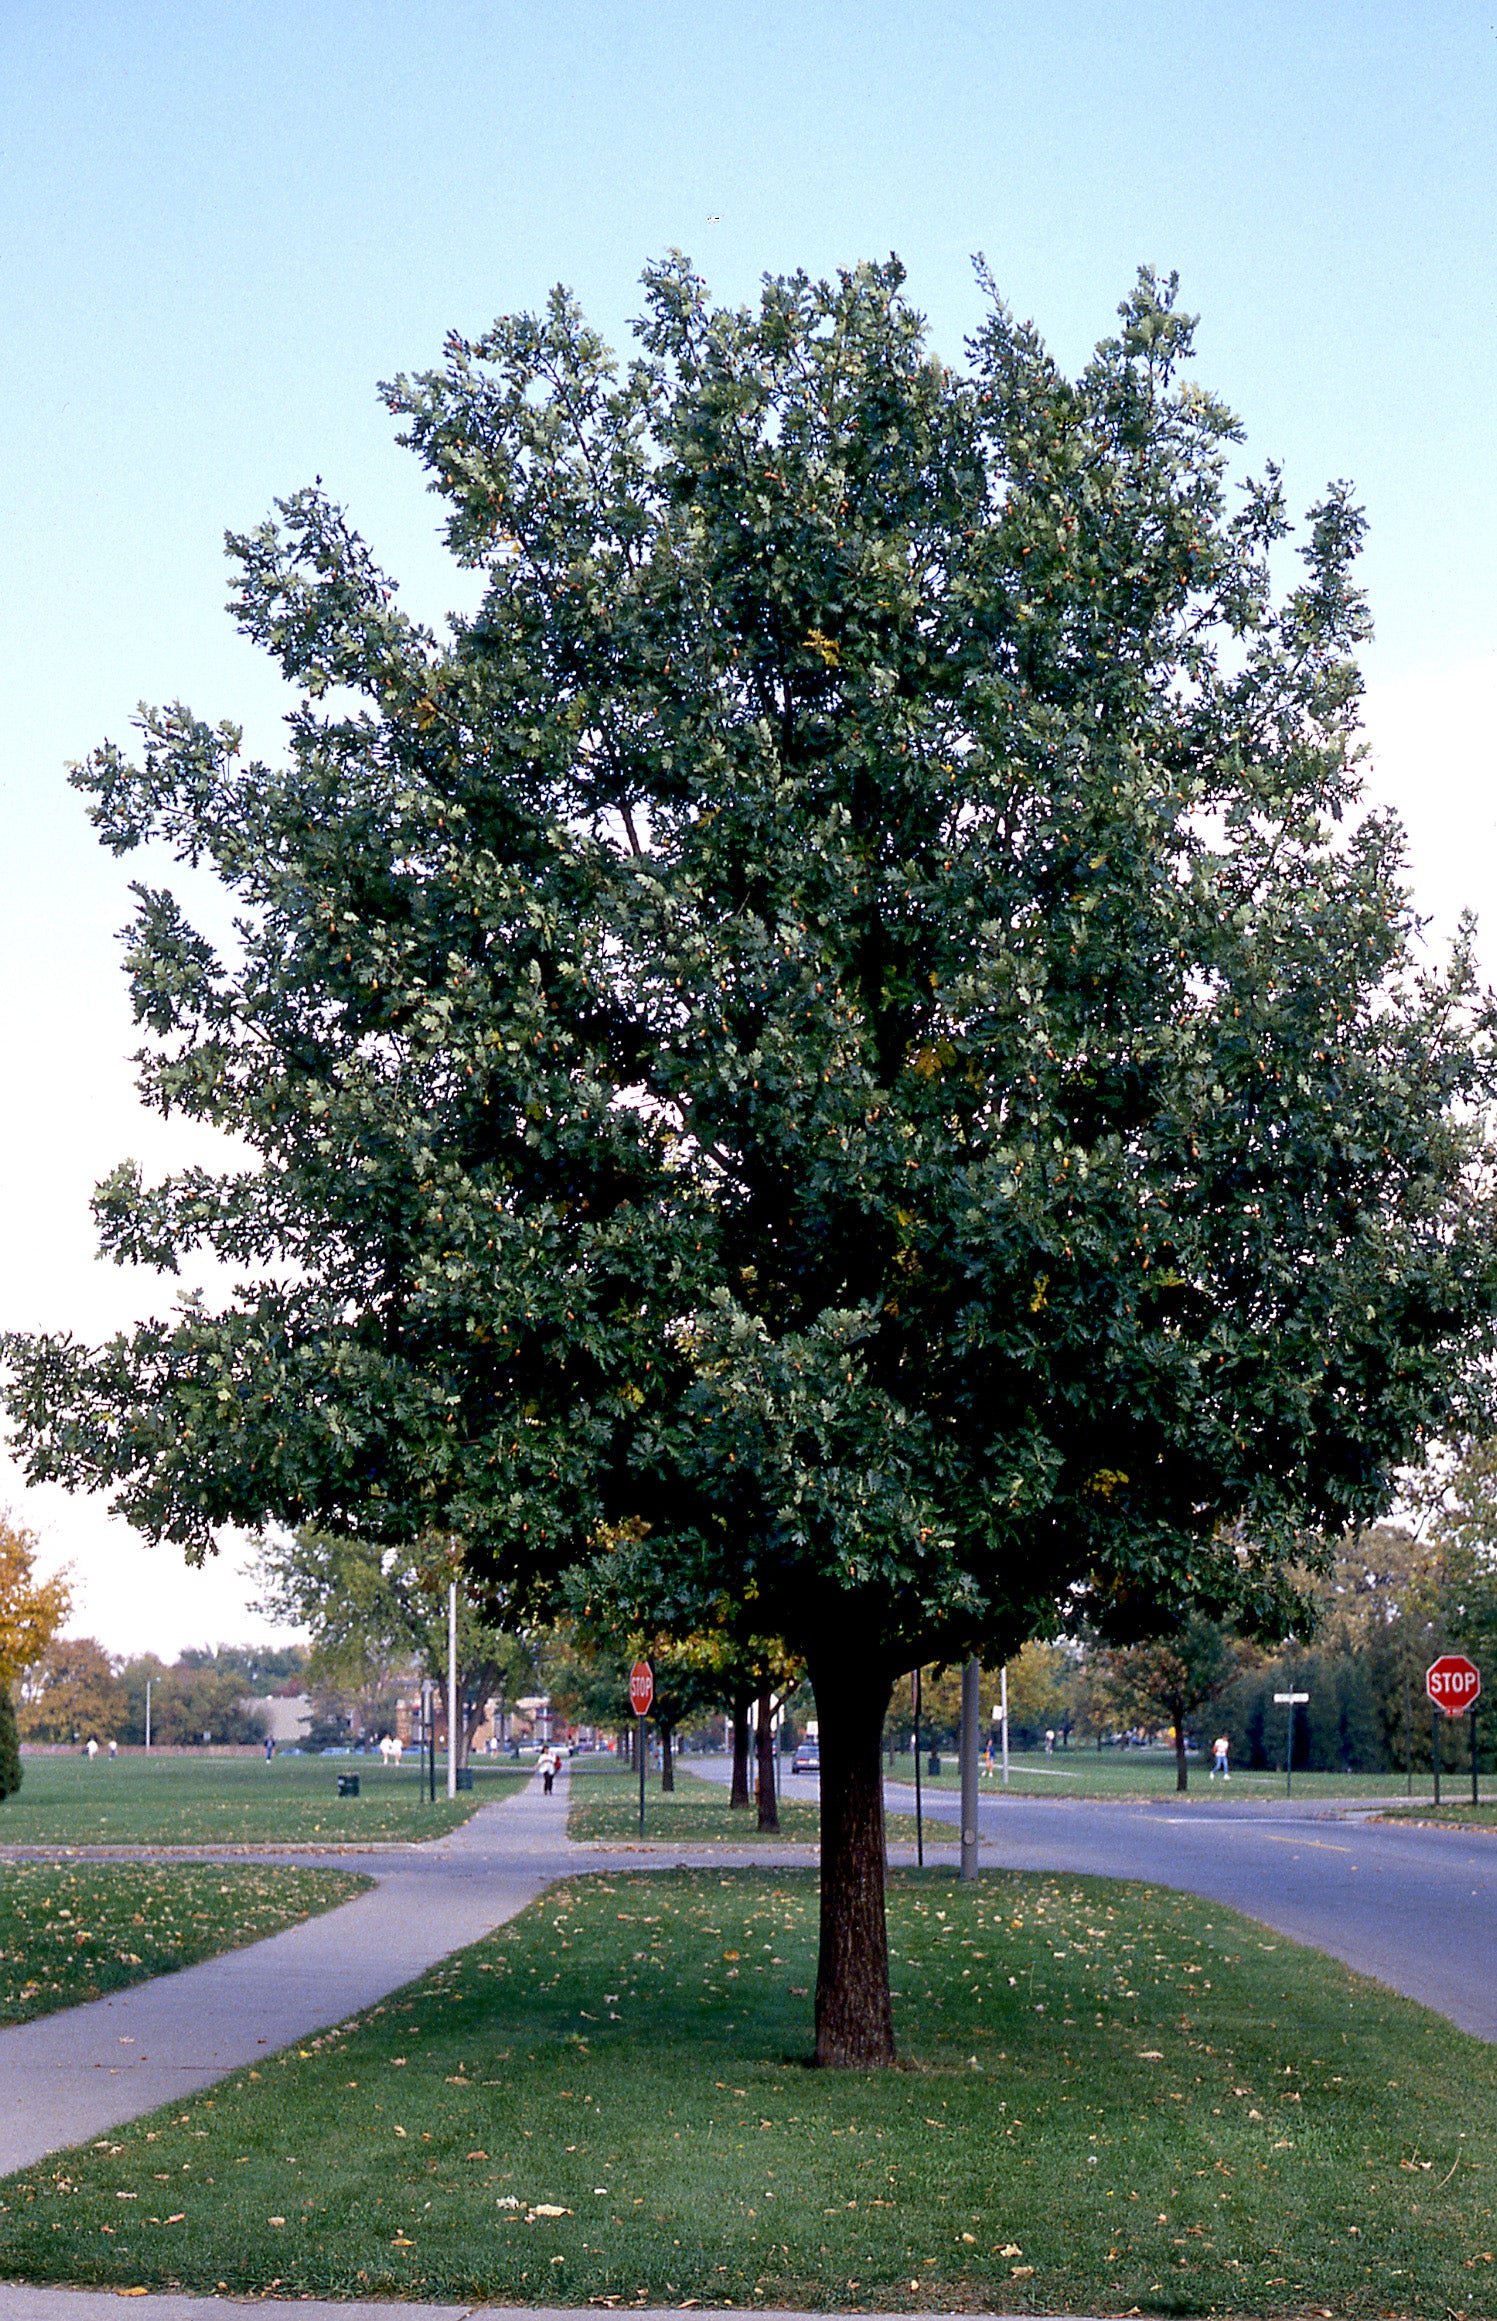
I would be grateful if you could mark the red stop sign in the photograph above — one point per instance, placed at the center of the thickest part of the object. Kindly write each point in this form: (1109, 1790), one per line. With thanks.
(1453, 1683)
(641, 1687)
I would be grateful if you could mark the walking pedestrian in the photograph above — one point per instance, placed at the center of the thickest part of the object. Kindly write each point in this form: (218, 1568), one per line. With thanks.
(1219, 1749)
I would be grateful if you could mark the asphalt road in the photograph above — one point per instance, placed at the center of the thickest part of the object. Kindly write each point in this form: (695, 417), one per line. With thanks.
(1415, 1907)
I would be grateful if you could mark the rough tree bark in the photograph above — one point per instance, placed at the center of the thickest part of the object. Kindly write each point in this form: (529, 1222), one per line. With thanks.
(667, 1762)
(854, 2012)
(769, 1804)
(1182, 1777)
(740, 1791)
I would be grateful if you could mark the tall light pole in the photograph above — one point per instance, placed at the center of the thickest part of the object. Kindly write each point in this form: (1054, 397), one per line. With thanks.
(148, 1715)
(971, 1688)
(452, 1690)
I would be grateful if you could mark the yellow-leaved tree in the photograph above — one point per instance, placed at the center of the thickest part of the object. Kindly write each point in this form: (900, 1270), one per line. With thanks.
(31, 1612)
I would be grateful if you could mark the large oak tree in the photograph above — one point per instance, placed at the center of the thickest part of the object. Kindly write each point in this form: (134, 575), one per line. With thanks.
(846, 1034)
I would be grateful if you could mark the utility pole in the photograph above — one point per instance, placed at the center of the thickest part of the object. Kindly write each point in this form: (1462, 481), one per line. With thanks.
(1003, 1710)
(148, 1716)
(971, 1694)
(919, 1816)
(452, 1690)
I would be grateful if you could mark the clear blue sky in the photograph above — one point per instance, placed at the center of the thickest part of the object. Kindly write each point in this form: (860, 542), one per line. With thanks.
(223, 224)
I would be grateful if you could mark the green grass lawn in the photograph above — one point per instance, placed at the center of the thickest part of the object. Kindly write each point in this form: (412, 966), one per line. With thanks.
(1457, 1816)
(141, 1800)
(72, 1932)
(605, 1805)
(1113, 2098)
(1149, 1773)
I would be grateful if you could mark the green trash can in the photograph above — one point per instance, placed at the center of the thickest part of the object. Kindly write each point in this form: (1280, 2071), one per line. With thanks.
(348, 1785)
(464, 1777)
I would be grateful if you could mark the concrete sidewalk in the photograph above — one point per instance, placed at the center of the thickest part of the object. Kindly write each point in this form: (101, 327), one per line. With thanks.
(18, 2302)
(70, 2076)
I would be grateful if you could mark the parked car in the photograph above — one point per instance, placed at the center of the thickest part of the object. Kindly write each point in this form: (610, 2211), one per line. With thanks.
(807, 1758)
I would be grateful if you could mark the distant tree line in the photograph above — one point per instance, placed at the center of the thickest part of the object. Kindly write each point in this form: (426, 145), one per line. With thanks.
(1392, 1599)
(76, 1691)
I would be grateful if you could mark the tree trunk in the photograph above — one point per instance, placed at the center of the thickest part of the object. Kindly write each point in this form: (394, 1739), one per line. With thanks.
(854, 2012)
(667, 1765)
(740, 1791)
(769, 1804)
(1182, 1778)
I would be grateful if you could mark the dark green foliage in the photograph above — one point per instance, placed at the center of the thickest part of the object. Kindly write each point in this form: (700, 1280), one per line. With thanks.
(908, 781)
(845, 1041)
(1339, 1730)
(10, 1745)
(205, 1693)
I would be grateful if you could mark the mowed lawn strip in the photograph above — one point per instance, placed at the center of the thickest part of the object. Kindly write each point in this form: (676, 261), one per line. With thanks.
(1115, 2097)
(604, 1806)
(73, 1932)
(141, 1800)
(1081, 1772)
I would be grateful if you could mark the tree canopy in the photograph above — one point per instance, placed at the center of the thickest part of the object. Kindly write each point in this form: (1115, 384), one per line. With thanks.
(844, 1044)
(31, 1610)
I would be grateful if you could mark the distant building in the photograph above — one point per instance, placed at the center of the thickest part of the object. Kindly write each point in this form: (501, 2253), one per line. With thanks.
(288, 1717)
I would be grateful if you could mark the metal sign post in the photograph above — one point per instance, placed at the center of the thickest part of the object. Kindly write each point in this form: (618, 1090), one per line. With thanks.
(1292, 1701)
(641, 1693)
